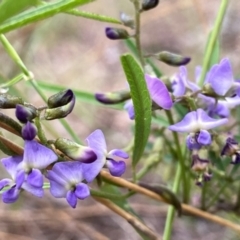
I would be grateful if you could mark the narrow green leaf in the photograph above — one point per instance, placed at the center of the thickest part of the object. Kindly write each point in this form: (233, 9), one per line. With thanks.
(9, 8)
(142, 104)
(215, 56)
(40, 13)
(80, 95)
(93, 16)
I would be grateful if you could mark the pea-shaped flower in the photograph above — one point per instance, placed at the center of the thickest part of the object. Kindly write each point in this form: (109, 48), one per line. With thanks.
(97, 142)
(66, 182)
(197, 123)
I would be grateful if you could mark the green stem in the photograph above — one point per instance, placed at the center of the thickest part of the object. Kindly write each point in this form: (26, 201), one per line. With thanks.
(137, 6)
(171, 209)
(13, 81)
(212, 41)
(179, 155)
(203, 198)
(15, 57)
(216, 196)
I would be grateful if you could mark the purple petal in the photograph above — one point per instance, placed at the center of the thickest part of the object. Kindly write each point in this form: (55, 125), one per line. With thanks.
(178, 86)
(188, 123)
(96, 141)
(130, 109)
(20, 178)
(38, 156)
(11, 164)
(116, 168)
(192, 143)
(221, 79)
(66, 173)
(205, 122)
(204, 137)
(57, 190)
(36, 191)
(71, 199)
(159, 92)
(11, 195)
(198, 71)
(29, 131)
(119, 153)
(35, 178)
(5, 182)
(82, 191)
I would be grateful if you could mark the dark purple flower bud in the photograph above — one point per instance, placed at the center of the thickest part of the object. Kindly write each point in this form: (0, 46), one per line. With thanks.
(60, 105)
(29, 131)
(25, 113)
(113, 97)
(75, 151)
(149, 4)
(116, 33)
(8, 101)
(198, 164)
(231, 149)
(172, 59)
(127, 20)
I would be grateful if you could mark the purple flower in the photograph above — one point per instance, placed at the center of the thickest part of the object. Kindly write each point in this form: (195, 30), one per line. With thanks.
(197, 123)
(66, 182)
(180, 82)
(96, 141)
(158, 93)
(220, 79)
(25, 172)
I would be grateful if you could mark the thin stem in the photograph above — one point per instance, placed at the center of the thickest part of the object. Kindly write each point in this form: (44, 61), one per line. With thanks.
(203, 197)
(101, 194)
(171, 209)
(216, 196)
(15, 57)
(13, 81)
(179, 155)
(212, 41)
(137, 6)
(186, 208)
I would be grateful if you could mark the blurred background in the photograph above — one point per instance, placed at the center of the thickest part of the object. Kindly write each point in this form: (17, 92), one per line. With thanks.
(74, 52)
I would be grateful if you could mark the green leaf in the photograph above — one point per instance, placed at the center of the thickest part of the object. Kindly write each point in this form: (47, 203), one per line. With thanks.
(215, 53)
(142, 104)
(80, 95)
(93, 16)
(10, 8)
(39, 13)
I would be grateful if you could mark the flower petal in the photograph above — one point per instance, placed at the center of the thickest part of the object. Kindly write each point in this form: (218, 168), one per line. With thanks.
(38, 156)
(188, 123)
(29, 131)
(71, 199)
(11, 164)
(11, 195)
(5, 182)
(205, 122)
(116, 168)
(221, 79)
(57, 190)
(96, 141)
(70, 172)
(35, 178)
(130, 109)
(192, 143)
(178, 86)
(82, 191)
(36, 191)
(119, 153)
(20, 178)
(158, 92)
(204, 138)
